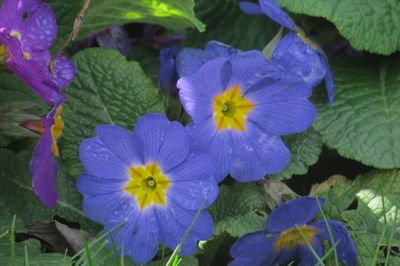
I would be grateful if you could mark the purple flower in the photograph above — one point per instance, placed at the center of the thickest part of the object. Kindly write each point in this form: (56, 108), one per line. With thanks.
(281, 242)
(189, 60)
(27, 30)
(295, 52)
(151, 181)
(240, 106)
(43, 166)
(168, 75)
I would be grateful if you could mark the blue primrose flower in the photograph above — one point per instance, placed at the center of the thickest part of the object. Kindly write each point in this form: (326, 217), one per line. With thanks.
(151, 181)
(295, 52)
(168, 75)
(282, 242)
(240, 106)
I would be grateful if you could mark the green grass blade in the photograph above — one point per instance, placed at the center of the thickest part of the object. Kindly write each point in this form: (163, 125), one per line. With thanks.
(310, 246)
(12, 241)
(178, 247)
(329, 232)
(26, 262)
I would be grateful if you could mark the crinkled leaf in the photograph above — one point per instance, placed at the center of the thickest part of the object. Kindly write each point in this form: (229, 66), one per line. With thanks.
(107, 90)
(305, 149)
(245, 213)
(228, 24)
(368, 25)
(363, 123)
(171, 14)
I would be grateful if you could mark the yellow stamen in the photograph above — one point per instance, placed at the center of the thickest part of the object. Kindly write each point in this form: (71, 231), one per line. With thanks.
(148, 184)
(26, 55)
(56, 130)
(290, 238)
(302, 35)
(231, 109)
(15, 34)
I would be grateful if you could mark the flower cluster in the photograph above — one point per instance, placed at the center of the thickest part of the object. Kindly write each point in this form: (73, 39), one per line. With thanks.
(288, 234)
(151, 183)
(27, 30)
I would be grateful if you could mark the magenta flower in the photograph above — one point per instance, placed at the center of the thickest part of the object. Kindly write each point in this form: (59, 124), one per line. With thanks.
(27, 30)
(43, 165)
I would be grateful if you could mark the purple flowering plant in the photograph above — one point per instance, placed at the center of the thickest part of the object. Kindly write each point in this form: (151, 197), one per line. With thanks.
(235, 157)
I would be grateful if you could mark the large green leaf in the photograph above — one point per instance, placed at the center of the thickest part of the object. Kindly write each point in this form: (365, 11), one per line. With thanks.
(363, 123)
(228, 24)
(171, 14)
(107, 90)
(239, 209)
(305, 149)
(368, 25)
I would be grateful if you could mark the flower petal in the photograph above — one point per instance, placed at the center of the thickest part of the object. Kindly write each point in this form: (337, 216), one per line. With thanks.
(101, 161)
(34, 20)
(197, 91)
(282, 108)
(300, 59)
(175, 147)
(258, 244)
(251, 8)
(306, 255)
(98, 208)
(150, 131)
(143, 244)
(192, 194)
(189, 61)
(43, 167)
(275, 12)
(248, 68)
(293, 212)
(201, 230)
(214, 49)
(218, 145)
(91, 185)
(121, 142)
(346, 250)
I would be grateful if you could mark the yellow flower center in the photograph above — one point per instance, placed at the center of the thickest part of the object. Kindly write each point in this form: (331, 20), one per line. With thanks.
(290, 238)
(148, 184)
(56, 130)
(231, 109)
(18, 36)
(302, 35)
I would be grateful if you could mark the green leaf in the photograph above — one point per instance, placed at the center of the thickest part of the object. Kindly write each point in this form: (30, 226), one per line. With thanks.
(19, 198)
(245, 213)
(368, 25)
(363, 123)
(228, 24)
(305, 149)
(171, 14)
(107, 90)
(36, 257)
